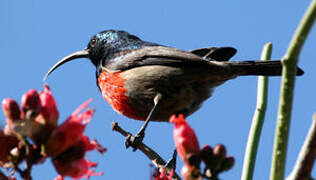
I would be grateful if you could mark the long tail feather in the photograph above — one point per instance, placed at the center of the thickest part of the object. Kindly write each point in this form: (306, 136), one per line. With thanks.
(264, 68)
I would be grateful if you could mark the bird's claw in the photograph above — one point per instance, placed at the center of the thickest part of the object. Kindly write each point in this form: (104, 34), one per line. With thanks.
(133, 141)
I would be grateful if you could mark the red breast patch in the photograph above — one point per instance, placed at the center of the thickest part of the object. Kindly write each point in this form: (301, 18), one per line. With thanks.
(113, 91)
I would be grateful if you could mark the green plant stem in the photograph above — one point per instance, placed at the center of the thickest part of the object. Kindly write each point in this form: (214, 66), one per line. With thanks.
(287, 88)
(257, 121)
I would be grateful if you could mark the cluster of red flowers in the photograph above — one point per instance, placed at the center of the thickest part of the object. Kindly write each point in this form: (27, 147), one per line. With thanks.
(31, 135)
(36, 121)
(189, 150)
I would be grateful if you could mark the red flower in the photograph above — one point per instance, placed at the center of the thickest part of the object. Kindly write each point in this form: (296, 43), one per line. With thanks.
(72, 162)
(65, 144)
(184, 138)
(68, 133)
(77, 169)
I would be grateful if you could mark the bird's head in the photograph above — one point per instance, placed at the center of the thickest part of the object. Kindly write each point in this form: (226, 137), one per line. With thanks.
(100, 46)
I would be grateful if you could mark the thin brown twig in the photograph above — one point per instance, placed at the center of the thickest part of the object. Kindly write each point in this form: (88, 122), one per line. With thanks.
(306, 159)
(29, 164)
(26, 173)
(28, 170)
(150, 153)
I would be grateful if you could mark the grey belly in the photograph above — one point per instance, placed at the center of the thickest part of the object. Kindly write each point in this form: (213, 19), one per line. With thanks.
(183, 89)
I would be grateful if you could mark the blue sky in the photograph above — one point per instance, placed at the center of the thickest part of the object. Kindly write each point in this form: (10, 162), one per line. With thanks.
(35, 34)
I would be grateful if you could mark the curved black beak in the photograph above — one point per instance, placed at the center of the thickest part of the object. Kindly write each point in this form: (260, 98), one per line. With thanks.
(79, 54)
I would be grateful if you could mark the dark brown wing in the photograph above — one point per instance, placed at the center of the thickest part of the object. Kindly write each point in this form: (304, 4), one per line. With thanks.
(215, 53)
(155, 55)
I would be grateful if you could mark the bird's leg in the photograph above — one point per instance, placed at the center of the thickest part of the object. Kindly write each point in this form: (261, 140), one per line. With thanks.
(135, 140)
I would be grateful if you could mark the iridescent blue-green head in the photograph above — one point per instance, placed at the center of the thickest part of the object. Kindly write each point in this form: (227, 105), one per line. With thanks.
(106, 43)
(103, 45)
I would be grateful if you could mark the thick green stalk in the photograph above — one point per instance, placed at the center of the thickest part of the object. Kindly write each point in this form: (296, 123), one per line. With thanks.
(257, 121)
(287, 91)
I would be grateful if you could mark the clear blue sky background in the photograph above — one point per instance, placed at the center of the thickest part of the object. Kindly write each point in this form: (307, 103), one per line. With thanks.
(35, 34)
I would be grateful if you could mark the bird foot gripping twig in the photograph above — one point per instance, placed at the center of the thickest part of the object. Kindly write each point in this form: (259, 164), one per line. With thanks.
(134, 141)
(156, 159)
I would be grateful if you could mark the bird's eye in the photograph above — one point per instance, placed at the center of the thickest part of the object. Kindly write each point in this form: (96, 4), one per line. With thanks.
(93, 42)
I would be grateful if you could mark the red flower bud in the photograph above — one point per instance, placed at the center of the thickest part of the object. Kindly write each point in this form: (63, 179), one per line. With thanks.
(219, 154)
(228, 163)
(220, 150)
(49, 107)
(206, 154)
(11, 109)
(12, 112)
(70, 132)
(31, 103)
(184, 138)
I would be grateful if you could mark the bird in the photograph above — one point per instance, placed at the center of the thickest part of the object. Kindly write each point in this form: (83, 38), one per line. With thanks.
(150, 82)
